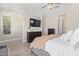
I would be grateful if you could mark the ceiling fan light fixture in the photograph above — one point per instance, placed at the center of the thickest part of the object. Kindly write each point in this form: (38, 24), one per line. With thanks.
(50, 6)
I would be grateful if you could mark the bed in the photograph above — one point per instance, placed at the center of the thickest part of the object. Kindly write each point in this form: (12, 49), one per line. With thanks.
(40, 42)
(64, 45)
(58, 48)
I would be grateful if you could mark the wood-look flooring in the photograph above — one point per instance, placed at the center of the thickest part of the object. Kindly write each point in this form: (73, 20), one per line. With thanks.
(17, 48)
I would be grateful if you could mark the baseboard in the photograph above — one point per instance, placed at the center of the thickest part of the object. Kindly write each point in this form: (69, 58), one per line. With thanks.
(10, 40)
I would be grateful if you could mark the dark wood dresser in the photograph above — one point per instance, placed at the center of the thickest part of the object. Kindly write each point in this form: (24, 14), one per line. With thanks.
(32, 35)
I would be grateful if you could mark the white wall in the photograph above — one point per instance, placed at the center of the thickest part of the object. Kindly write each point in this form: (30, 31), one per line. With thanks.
(16, 26)
(70, 22)
(19, 25)
(50, 22)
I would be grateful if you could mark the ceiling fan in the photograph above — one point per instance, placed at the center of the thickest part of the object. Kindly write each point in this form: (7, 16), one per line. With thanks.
(51, 5)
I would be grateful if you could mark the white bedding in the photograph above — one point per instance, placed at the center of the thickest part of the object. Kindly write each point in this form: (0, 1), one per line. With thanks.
(59, 48)
(66, 45)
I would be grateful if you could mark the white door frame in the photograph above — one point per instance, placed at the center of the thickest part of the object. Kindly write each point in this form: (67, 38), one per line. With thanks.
(61, 25)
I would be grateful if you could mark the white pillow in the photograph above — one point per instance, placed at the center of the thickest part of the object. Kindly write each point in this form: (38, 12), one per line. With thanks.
(67, 36)
(62, 36)
(75, 37)
(76, 46)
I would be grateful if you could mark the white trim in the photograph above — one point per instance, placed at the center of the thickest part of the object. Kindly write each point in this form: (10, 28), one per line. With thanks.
(10, 40)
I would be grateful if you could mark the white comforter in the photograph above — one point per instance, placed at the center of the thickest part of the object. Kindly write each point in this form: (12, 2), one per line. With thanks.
(60, 48)
(66, 45)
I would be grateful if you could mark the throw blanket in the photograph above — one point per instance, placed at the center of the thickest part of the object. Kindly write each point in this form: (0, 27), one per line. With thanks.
(40, 42)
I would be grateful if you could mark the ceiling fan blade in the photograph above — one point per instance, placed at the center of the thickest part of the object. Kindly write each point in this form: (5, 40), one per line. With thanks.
(44, 6)
(56, 6)
(51, 5)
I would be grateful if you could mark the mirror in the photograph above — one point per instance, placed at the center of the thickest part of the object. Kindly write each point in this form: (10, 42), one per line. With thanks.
(6, 24)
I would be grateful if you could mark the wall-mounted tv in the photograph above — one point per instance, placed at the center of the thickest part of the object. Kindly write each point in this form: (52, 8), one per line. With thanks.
(35, 22)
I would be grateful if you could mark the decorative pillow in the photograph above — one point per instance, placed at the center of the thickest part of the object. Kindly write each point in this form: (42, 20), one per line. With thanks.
(67, 36)
(76, 45)
(75, 37)
(62, 36)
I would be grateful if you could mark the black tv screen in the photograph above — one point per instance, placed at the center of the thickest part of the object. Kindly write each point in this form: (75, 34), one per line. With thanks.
(35, 22)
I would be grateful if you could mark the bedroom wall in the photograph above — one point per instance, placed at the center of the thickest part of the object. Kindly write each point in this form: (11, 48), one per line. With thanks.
(16, 26)
(71, 21)
(50, 22)
(19, 25)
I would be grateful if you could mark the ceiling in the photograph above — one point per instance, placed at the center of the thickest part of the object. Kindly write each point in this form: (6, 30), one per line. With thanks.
(31, 8)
